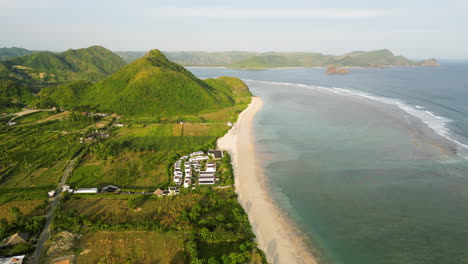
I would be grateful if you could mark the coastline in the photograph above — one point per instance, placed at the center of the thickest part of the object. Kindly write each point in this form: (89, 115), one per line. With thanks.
(276, 234)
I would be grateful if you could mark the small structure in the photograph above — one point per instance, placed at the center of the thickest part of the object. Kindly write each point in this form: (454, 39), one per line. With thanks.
(86, 191)
(173, 190)
(12, 260)
(119, 125)
(229, 124)
(11, 124)
(110, 189)
(216, 154)
(66, 188)
(51, 194)
(16, 239)
(159, 192)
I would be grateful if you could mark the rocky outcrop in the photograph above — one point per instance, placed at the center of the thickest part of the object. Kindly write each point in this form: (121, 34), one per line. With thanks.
(429, 63)
(336, 70)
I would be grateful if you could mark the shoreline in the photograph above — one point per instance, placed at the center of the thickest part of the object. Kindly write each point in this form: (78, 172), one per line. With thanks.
(275, 234)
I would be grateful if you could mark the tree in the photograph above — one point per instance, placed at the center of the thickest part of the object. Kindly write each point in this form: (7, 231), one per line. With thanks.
(3, 227)
(15, 214)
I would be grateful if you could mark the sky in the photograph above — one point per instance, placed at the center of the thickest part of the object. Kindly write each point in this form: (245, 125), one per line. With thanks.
(412, 28)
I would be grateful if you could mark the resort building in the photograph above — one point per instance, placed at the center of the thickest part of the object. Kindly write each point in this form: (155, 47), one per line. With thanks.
(216, 154)
(197, 153)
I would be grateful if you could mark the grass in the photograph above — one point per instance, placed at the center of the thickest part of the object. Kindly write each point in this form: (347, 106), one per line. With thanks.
(86, 175)
(144, 154)
(131, 247)
(28, 208)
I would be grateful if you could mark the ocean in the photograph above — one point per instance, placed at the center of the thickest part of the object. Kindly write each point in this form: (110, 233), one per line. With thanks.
(372, 166)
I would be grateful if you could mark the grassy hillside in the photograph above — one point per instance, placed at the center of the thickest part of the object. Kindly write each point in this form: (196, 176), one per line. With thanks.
(69, 95)
(150, 86)
(377, 58)
(8, 53)
(93, 63)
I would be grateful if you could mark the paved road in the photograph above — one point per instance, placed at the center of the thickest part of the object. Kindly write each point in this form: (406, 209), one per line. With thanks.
(45, 232)
(26, 112)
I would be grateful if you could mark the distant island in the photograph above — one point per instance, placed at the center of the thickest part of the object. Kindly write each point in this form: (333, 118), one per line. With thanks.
(253, 60)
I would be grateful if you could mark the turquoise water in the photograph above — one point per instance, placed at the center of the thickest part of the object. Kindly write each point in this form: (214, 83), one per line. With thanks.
(374, 171)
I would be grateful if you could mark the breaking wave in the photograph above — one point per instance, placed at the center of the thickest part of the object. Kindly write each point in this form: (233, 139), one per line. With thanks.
(435, 122)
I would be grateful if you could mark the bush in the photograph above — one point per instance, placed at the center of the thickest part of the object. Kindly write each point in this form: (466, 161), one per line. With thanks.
(21, 249)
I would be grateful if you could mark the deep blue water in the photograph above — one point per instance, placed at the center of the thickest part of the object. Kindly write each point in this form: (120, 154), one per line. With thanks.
(364, 163)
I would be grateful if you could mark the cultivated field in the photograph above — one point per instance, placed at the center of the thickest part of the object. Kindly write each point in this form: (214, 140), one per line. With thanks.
(131, 247)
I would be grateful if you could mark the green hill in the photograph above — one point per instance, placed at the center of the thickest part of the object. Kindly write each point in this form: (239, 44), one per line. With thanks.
(149, 86)
(93, 63)
(69, 95)
(15, 88)
(377, 58)
(8, 53)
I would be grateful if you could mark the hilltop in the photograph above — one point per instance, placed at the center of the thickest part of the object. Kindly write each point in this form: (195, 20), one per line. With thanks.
(8, 53)
(93, 63)
(149, 86)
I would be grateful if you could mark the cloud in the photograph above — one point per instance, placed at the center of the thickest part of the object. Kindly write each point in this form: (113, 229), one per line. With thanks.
(276, 13)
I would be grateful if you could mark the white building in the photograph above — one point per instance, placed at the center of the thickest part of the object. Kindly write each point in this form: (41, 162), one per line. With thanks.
(12, 260)
(198, 153)
(86, 191)
(50, 194)
(177, 179)
(187, 183)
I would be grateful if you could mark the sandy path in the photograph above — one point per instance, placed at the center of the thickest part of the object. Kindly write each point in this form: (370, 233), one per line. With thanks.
(276, 236)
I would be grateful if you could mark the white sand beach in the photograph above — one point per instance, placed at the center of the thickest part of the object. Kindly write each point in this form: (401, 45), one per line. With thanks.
(276, 235)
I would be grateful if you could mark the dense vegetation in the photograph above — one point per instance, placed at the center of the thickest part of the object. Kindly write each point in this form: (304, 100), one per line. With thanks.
(8, 53)
(93, 63)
